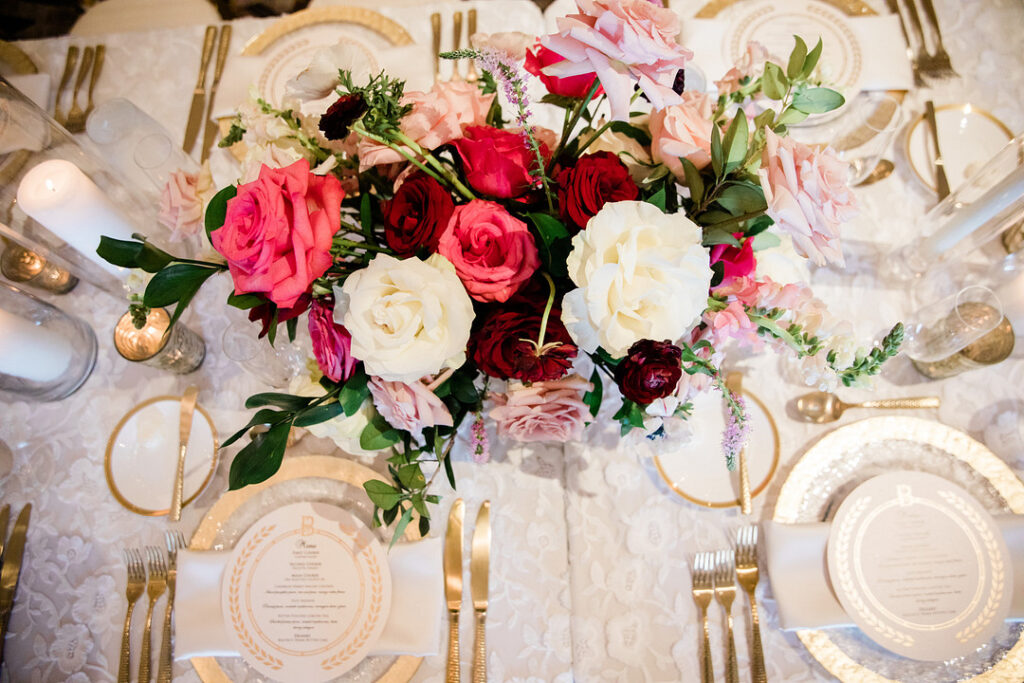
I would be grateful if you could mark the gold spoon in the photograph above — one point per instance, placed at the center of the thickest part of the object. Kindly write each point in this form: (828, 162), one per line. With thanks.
(881, 171)
(820, 406)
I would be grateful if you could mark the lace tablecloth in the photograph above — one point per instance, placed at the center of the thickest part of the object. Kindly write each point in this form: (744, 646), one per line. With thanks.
(590, 577)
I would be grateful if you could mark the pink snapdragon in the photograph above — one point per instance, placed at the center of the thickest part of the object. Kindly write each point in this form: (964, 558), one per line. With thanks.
(732, 323)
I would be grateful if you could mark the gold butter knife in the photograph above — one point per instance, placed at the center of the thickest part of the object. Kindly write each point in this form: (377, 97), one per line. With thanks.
(195, 112)
(453, 585)
(210, 134)
(188, 407)
(734, 383)
(941, 182)
(479, 567)
(435, 29)
(14, 550)
(472, 76)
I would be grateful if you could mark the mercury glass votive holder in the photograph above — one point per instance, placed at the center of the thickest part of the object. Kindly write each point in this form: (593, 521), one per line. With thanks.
(24, 266)
(157, 344)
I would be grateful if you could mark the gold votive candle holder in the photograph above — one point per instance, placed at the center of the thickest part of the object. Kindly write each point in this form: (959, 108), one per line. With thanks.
(157, 344)
(22, 265)
(992, 348)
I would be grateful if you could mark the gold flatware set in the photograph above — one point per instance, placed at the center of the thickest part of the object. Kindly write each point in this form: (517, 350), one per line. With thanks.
(200, 116)
(715, 575)
(435, 27)
(821, 407)
(12, 551)
(93, 58)
(479, 567)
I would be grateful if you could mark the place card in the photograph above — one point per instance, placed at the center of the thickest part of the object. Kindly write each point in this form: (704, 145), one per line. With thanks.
(920, 566)
(306, 593)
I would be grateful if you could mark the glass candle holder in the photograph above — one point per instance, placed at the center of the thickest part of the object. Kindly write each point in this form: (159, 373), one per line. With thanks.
(45, 354)
(24, 266)
(176, 349)
(273, 365)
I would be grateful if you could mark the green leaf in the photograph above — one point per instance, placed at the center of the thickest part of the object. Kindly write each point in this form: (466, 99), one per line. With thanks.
(693, 180)
(593, 397)
(378, 435)
(765, 240)
(400, 527)
(657, 199)
(448, 471)
(561, 101)
(174, 283)
(717, 154)
(462, 386)
(790, 115)
(366, 215)
(262, 417)
(740, 198)
(420, 505)
(765, 118)
(124, 253)
(554, 242)
(354, 391)
(774, 84)
(796, 59)
(424, 525)
(817, 100)
(630, 415)
(383, 495)
(245, 301)
(217, 209)
(759, 225)
(412, 477)
(812, 60)
(631, 131)
(318, 414)
(286, 401)
(735, 142)
(260, 458)
(719, 236)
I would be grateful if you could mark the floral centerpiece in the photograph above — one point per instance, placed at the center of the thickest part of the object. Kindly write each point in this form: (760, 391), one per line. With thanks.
(457, 266)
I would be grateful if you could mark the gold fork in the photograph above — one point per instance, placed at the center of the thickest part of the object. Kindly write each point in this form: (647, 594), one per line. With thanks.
(456, 44)
(175, 541)
(435, 28)
(725, 593)
(472, 76)
(154, 589)
(703, 588)
(747, 575)
(69, 71)
(76, 117)
(97, 67)
(136, 586)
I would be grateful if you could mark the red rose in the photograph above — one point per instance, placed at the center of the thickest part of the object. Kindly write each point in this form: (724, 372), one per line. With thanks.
(497, 162)
(277, 231)
(264, 313)
(493, 251)
(737, 261)
(595, 180)
(571, 86)
(501, 346)
(416, 215)
(650, 370)
(332, 343)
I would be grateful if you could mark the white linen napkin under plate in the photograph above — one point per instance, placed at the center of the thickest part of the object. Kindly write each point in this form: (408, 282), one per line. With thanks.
(798, 571)
(413, 626)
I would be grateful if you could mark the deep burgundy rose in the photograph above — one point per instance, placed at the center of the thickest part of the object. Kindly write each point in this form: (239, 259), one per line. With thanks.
(332, 343)
(264, 313)
(501, 346)
(572, 86)
(416, 215)
(497, 162)
(595, 180)
(335, 122)
(737, 261)
(650, 370)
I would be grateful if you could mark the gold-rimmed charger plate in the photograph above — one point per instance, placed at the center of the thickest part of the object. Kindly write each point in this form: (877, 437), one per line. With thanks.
(244, 502)
(392, 30)
(844, 458)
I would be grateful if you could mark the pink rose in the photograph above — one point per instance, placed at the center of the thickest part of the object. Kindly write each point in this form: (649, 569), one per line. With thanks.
(512, 43)
(751, 63)
(181, 208)
(498, 162)
(736, 262)
(574, 86)
(437, 118)
(808, 195)
(625, 42)
(493, 251)
(411, 407)
(732, 323)
(277, 232)
(332, 344)
(544, 411)
(683, 130)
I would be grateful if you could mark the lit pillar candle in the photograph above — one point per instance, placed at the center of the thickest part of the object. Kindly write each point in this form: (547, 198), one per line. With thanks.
(976, 214)
(30, 351)
(69, 204)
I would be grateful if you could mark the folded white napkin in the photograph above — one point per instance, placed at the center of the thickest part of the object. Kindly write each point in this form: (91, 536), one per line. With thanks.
(798, 571)
(412, 628)
(34, 86)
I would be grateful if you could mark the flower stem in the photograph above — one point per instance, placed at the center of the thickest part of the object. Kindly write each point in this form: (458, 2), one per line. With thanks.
(547, 313)
(432, 160)
(577, 112)
(594, 137)
(351, 244)
(358, 128)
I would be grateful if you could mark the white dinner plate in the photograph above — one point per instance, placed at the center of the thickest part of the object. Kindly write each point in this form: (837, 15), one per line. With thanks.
(142, 456)
(696, 470)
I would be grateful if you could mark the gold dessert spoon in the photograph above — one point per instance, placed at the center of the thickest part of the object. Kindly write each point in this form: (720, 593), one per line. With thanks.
(820, 406)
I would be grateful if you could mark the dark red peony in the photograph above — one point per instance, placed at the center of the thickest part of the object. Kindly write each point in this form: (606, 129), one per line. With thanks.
(332, 343)
(586, 187)
(335, 122)
(650, 370)
(737, 261)
(501, 346)
(416, 215)
(497, 162)
(539, 57)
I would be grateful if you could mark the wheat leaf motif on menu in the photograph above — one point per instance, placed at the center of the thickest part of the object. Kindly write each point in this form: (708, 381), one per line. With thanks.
(234, 602)
(355, 646)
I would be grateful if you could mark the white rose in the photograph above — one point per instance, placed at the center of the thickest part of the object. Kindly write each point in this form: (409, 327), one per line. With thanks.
(641, 273)
(407, 318)
(781, 263)
(343, 430)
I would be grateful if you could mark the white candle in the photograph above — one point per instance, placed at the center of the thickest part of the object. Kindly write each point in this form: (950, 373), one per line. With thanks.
(1011, 296)
(976, 214)
(30, 351)
(69, 204)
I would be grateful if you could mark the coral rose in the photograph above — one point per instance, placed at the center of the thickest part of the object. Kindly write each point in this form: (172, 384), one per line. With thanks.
(572, 86)
(808, 196)
(277, 231)
(683, 130)
(543, 411)
(650, 370)
(332, 344)
(595, 180)
(416, 215)
(498, 162)
(493, 251)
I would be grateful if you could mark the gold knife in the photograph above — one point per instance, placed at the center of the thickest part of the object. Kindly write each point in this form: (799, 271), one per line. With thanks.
(734, 383)
(472, 76)
(188, 407)
(941, 182)
(453, 585)
(479, 567)
(14, 550)
(195, 112)
(210, 134)
(5, 516)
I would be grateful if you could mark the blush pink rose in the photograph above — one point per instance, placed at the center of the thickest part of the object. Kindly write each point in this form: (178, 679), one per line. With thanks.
(543, 411)
(437, 118)
(181, 207)
(625, 42)
(332, 343)
(808, 196)
(277, 231)
(411, 407)
(493, 251)
(683, 130)
(750, 64)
